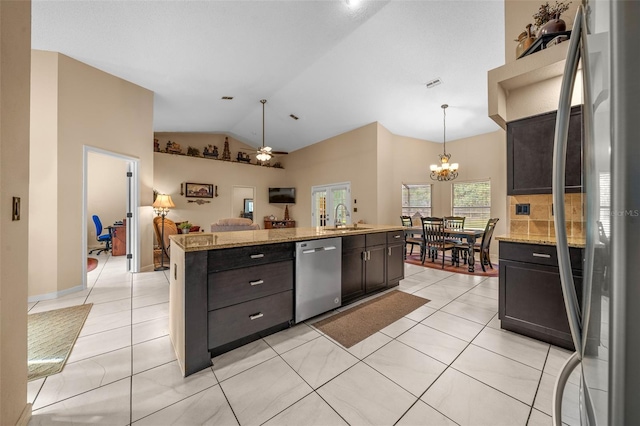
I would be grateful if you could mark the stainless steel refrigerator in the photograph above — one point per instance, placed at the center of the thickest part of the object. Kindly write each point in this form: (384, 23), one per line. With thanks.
(605, 319)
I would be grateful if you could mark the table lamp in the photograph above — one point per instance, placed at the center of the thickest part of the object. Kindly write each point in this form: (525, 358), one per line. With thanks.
(161, 207)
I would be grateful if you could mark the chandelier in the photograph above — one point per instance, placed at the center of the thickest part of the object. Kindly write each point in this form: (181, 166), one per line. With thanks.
(445, 170)
(264, 153)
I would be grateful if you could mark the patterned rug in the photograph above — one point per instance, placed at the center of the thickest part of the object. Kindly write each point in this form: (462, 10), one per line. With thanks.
(51, 336)
(361, 321)
(462, 269)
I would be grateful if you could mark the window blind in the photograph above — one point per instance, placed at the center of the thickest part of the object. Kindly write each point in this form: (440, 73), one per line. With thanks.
(473, 201)
(416, 198)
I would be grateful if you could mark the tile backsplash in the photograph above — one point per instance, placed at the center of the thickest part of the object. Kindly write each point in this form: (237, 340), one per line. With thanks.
(540, 218)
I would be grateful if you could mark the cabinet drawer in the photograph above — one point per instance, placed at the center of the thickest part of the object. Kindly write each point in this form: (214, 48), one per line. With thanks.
(538, 254)
(240, 285)
(235, 322)
(395, 237)
(376, 239)
(241, 257)
(355, 241)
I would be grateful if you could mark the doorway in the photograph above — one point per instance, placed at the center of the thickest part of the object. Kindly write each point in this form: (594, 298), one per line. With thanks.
(325, 199)
(243, 202)
(121, 183)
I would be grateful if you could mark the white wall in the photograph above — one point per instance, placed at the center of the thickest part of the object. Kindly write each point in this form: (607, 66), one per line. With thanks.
(172, 170)
(15, 57)
(81, 106)
(106, 192)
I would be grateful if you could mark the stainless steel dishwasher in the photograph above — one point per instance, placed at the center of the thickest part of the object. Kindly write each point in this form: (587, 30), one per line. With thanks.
(318, 277)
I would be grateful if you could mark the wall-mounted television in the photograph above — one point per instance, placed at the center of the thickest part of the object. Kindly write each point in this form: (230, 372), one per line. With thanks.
(282, 195)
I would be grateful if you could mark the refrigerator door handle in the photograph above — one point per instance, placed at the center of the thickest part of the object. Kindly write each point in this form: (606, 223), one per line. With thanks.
(558, 390)
(558, 182)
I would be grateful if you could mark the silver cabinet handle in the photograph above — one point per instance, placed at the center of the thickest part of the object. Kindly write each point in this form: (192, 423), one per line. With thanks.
(561, 381)
(257, 256)
(558, 182)
(389, 251)
(546, 256)
(256, 316)
(368, 254)
(396, 236)
(258, 282)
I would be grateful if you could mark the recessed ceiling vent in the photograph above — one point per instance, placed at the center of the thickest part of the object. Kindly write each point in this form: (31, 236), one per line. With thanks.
(227, 98)
(294, 117)
(433, 83)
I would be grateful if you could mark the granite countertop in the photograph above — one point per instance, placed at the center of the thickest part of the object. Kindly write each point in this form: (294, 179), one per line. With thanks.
(219, 240)
(578, 242)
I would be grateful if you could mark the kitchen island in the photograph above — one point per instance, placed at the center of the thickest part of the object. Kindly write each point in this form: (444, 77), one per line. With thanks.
(530, 294)
(230, 288)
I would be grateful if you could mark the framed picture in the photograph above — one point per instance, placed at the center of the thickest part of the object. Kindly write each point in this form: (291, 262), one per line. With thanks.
(198, 190)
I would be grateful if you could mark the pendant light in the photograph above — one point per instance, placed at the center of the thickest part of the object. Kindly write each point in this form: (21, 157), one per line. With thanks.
(444, 171)
(264, 153)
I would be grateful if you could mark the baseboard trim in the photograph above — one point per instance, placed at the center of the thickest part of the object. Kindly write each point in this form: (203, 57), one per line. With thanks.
(55, 294)
(24, 418)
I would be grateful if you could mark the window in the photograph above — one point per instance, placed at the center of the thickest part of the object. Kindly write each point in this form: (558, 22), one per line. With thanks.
(473, 201)
(416, 199)
(605, 202)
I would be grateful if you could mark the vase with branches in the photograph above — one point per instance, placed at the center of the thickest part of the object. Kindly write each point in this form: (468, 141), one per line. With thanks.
(547, 18)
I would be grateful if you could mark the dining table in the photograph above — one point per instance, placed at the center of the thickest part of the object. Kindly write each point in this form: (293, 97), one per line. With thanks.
(470, 234)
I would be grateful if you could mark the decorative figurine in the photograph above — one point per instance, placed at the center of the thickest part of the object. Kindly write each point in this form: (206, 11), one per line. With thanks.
(194, 152)
(173, 148)
(226, 154)
(243, 157)
(156, 145)
(210, 151)
(286, 212)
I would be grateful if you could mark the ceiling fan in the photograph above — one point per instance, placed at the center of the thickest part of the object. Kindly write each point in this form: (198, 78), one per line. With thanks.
(265, 153)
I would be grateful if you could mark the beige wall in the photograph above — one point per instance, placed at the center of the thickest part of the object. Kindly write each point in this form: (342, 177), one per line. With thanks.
(172, 170)
(15, 57)
(519, 13)
(389, 190)
(94, 109)
(349, 157)
(106, 192)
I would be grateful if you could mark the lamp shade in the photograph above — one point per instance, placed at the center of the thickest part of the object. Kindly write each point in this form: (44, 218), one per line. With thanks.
(163, 201)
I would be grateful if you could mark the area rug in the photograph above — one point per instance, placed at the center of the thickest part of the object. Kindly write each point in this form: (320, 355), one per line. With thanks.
(361, 321)
(462, 269)
(51, 336)
(92, 263)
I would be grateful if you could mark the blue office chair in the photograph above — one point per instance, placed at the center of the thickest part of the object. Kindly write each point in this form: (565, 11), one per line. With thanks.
(106, 238)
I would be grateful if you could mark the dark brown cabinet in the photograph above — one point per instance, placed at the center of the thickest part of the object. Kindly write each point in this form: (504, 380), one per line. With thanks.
(370, 264)
(530, 154)
(249, 294)
(353, 255)
(530, 295)
(395, 257)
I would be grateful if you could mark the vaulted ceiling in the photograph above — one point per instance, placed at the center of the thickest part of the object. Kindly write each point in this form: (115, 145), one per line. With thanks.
(334, 66)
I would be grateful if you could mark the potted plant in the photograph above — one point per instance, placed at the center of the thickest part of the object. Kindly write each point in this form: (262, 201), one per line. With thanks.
(185, 226)
(547, 18)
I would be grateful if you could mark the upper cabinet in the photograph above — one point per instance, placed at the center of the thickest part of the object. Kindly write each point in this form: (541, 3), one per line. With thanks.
(530, 154)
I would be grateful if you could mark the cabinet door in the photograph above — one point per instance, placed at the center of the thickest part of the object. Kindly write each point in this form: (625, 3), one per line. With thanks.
(395, 264)
(531, 302)
(375, 273)
(352, 274)
(530, 154)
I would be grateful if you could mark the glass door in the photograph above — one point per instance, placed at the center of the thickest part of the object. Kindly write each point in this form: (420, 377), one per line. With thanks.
(324, 201)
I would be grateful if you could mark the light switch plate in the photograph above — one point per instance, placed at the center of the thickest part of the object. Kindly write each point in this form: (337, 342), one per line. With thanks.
(523, 209)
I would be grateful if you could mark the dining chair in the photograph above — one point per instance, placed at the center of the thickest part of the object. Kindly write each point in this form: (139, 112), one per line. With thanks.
(455, 222)
(413, 239)
(482, 247)
(170, 228)
(434, 236)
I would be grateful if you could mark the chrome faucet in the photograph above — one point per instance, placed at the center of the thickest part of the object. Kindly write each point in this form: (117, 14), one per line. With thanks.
(335, 217)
